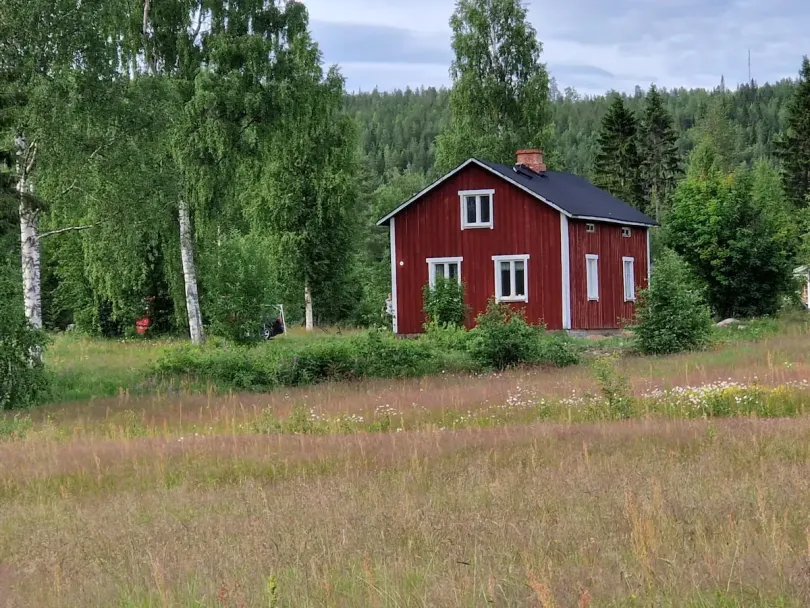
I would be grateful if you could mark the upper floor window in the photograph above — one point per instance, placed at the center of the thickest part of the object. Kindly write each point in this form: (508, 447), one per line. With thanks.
(511, 278)
(590, 227)
(626, 232)
(449, 268)
(476, 208)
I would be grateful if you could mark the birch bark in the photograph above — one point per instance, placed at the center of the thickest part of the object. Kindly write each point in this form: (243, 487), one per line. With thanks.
(310, 324)
(29, 233)
(190, 276)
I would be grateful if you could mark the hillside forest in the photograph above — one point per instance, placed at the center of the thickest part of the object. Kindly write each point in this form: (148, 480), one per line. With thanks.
(198, 162)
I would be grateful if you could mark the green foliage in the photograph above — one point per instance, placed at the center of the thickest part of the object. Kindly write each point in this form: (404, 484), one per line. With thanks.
(239, 287)
(736, 233)
(447, 336)
(14, 427)
(794, 145)
(374, 354)
(502, 338)
(671, 315)
(617, 396)
(616, 168)
(499, 100)
(658, 152)
(22, 378)
(444, 302)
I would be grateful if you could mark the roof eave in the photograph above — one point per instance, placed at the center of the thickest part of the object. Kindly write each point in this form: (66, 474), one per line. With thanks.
(384, 221)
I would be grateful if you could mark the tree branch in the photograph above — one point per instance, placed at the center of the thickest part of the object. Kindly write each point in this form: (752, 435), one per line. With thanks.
(68, 229)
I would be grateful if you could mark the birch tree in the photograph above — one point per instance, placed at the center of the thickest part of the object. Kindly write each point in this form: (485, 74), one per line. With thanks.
(311, 177)
(52, 56)
(499, 102)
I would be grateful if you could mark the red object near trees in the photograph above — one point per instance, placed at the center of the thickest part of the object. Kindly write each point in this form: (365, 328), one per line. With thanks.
(525, 236)
(142, 325)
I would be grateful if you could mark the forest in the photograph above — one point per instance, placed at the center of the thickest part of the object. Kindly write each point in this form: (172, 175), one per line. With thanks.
(197, 162)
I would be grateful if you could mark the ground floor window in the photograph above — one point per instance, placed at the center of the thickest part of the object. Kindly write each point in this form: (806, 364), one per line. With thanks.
(628, 270)
(592, 276)
(448, 268)
(511, 278)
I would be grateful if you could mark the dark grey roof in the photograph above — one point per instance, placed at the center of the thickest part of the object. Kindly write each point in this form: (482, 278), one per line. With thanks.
(573, 194)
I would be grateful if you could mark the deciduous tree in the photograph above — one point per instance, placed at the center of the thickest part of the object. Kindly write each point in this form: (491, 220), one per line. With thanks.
(499, 101)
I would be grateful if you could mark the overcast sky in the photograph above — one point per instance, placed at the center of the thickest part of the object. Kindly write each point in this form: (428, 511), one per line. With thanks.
(592, 45)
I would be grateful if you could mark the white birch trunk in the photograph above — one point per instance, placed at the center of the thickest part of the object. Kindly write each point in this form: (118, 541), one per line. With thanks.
(310, 324)
(29, 235)
(190, 276)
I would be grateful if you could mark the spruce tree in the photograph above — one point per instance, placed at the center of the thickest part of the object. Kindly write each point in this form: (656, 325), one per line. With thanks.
(794, 146)
(660, 165)
(616, 168)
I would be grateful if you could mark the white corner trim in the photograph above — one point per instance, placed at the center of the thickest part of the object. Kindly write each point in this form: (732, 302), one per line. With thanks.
(595, 258)
(649, 259)
(395, 320)
(566, 272)
(496, 260)
(431, 262)
(624, 279)
(462, 196)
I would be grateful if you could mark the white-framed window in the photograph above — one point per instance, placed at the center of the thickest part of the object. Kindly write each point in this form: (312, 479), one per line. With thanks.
(476, 208)
(511, 278)
(590, 227)
(592, 276)
(629, 274)
(449, 268)
(626, 232)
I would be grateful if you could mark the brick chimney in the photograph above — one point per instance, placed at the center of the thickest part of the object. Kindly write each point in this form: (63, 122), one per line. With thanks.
(531, 159)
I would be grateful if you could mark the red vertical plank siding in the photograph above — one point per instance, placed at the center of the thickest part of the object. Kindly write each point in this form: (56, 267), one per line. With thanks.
(431, 228)
(611, 311)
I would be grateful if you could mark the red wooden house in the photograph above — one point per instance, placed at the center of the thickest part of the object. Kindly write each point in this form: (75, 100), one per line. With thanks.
(568, 253)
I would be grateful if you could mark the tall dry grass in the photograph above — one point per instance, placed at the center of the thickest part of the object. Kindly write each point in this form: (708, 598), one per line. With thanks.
(625, 514)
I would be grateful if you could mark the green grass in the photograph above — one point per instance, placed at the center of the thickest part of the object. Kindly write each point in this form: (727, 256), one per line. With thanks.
(82, 368)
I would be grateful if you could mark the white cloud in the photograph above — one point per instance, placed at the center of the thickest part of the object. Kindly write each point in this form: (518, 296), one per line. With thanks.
(593, 45)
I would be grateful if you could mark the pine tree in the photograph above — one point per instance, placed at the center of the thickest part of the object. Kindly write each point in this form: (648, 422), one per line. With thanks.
(794, 147)
(617, 162)
(660, 165)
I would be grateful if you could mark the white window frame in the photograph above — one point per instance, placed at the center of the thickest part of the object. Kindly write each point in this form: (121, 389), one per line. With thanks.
(592, 294)
(632, 287)
(627, 232)
(497, 259)
(463, 194)
(431, 262)
(590, 228)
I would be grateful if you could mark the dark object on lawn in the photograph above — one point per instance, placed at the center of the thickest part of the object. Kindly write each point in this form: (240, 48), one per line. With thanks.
(274, 329)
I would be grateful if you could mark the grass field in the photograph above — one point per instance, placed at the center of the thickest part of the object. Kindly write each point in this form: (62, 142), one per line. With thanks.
(510, 489)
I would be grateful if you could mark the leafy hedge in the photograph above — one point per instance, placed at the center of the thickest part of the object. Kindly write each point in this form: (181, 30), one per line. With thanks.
(375, 354)
(370, 355)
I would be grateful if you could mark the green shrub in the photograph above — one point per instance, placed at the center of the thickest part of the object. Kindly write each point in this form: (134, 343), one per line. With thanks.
(559, 350)
(375, 354)
(238, 296)
(503, 338)
(446, 337)
(671, 316)
(444, 302)
(617, 398)
(22, 377)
